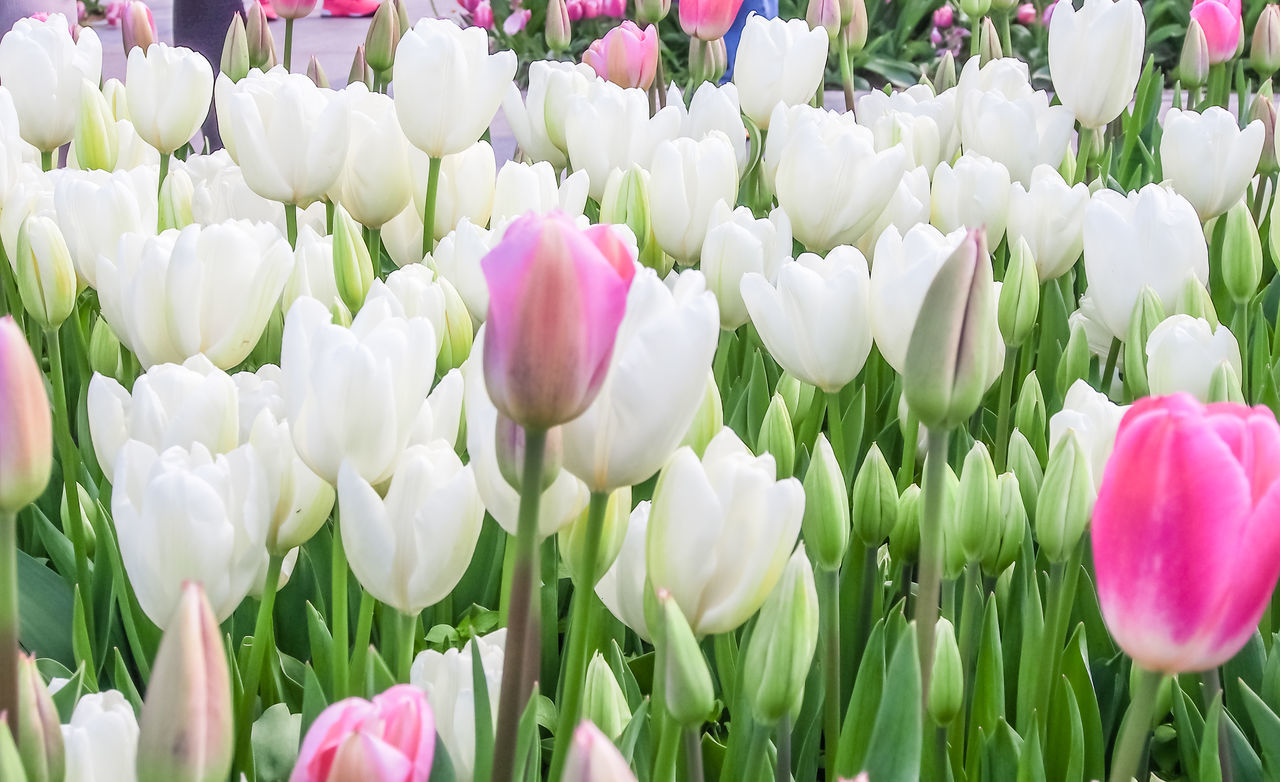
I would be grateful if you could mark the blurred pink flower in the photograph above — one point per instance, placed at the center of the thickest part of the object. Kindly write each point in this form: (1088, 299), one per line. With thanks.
(1220, 22)
(482, 16)
(944, 16)
(1026, 14)
(115, 10)
(516, 22)
(575, 8)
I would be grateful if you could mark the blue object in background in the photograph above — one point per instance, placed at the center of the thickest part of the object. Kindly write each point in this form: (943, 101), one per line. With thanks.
(766, 8)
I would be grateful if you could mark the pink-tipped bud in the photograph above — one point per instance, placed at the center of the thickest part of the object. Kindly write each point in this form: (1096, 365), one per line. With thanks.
(39, 734)
(824, 14)
(26, 432)
(594, 758)
(137, 26)
(557, 32)
(293, 9)
(1026, 14)
(708, 19)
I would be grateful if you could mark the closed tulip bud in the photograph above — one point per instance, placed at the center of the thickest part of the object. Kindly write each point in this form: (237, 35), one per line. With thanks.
(96, 142)
(977, 505)
(1241, 253)
(352, 265)
(46, 277)
(88, 513)
(707, 59)
(708, 421)
(1224, 385)
(944, 77)
(593, 757)
(876, 506)
(1193, 65)
(137, 27)
(315, 72)
(1148, 313)
(1030, 415)
(176, 197)
(26, 439)
(459, 331)
(948, 364)
(235, 50)
(572, 541)
(975, 9)
(1264, 110)
(688, 690)
(509, 440)
(1065, 501)
(652, 11)
(104, 350)
(1011, 526)
(777, 437)
(603, 701)
(825, 525)
(1025, 465)
(626, 202)
(293, 9)
(558, 32)
(1264, 53)
(946, 688)
(360, 70)
(824, 14)
(186, 732)
(38, 731)
(1194, 300)
(1074, 364)
(904, 539)
(1019, 304)
(781, 650)
(989, 42)
(853, 36)
(260, 45)
(383, 37)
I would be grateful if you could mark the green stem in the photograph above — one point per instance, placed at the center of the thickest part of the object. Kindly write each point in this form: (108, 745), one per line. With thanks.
(46, 160)
(1084, 144)
(70, 458)
(252, 675)
(1006, 402)
(288, 43)
(521, 661)
(975, 36)
(664, 765)
(165, 159)
(373, 240)
(1240, 326)
(429, 210)
(1006, 43)
(1112, 356)
(1137, 726)
(9, 618)
(757, 752)
(829, 632)
(408, 637)
(364, 628)
(846, 76)
(1061, 593)
(926, 611)
(291, 224)
(1212, 684)
(330, 211)
(338, 566)
(910, 442)
(782, 769)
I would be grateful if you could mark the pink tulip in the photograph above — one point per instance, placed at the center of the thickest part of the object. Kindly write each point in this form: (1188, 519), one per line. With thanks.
(293, 9)
(708, 19)
(483, 15)
(1221, 25)
(944, 17)
(114, 10)
(516, 22)
(615, 8)
(576, 9)
(626, 55)
(594, 758)
(26, 438)
(556, 296)
(137, 26)
(1026, 14)
(590, 9)
(1186, 530)
(389, 739)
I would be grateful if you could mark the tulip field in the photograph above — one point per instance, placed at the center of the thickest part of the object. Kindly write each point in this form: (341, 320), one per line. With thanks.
(730, 431)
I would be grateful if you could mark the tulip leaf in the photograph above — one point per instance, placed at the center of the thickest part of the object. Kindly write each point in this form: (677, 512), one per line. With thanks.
(274, 738)
(441, 764)
(988, 684)
(123, 681)
(56, 544)
(630, 738)
(321, 643)
(1244, 760)
(1267, 725)
(1210, 764)
(1075, 668)
(1031, 761)
(313, 700)
(482, 706)
(1188, 724)
(894, 751)
(1064, 736)
(1000, 753)
(66, 698)
(863, 703)
(1244, 669)
(45, 612)
(80, 642)
(758, 399)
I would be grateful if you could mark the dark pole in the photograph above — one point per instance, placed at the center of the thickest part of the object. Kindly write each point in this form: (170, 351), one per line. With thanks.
(202, 25)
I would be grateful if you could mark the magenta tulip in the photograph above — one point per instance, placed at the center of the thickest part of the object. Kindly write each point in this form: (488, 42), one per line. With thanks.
(389, 739)
(1221, 24)
(26, 439)
(708, 19)
(626, 55)
(556, 296)
(1186, 530)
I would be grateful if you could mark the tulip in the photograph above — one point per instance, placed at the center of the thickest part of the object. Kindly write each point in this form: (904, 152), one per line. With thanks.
(972, 193)
(42, 68)
(31, 195)
(777, 660)
(138, 29)
(26, 439)
(651, 391)
(299, 500)
(1048, 214)
(313, 272)
(1021, 134)
(707, 20)
(36, 729)
(524, 187)
(622, 587)
(603, 701)
(714, 107)
(383, 38)
(46, 278)
(1095, 57)
(374, 184)
(101, 739)
(778, 61)
(1264, 51)
(1006, 76)
(1207, 159)
(736, 244)
(1149, 238)
(1221, 26)
(607, 128)
(457, 257)
(728, 513)
(447, 680)
(908, 206)
(96, 142)
(204, 290)
(1092, 418)
(626, 55)
(219, 193)
(1183, 580)
(557, 32)
(95, 209)
(822, 15)
(913, 128)
(169, 93)
(1193, 65)
(538, 119)
(442, 116)
(464, 187)
(686, 179)
(557, 296)
(392, 737)
(1183, 352)
(816, 321)
(293, 9)
(186, 732)
(234, 62)
(594, 758)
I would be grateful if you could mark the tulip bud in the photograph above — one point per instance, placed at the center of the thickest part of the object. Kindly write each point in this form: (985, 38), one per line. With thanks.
(626, 202)
(707, 59)
(557, 31)
(104, 350)
(603, 701)
(46, 277)
(1011, 525)
(510, 441)
(315, 72)
(176, 196)
(953, 558)
(402, 13)
(797, 394)
(235, 50)
(383, 37)
(293, 9)
(96, 141)
(573, 540)
(459, 331)
(38, 732)
(975, 9)
(1264, 51)
(875, 500)
(186, 732)
(352, 264)
(904, 538)
(1224, 385)
(853, 37)
(594, 758)
(1148, 312)
(976, 505)
(88, 513)
(825, 14)
(948, 357)
(781, 649)
(944, 78)
(1264, 111)
(709, 420)
(1066, 499)
(688, 689)
(825, 525)
(137, 27)
(1074, 364)
(1030, 415)
(1194, 300)
(1019, 304)
(777, 437)
(651, 11)
(1025, 466)
(946, 688)
(261, 46)
(26, 435)
(988, 42)
(1241, 261)
(360, 70)
(1193, 65)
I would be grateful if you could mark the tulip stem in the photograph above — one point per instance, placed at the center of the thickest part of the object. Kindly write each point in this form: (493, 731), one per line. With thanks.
(1006, 402)
(1109, 372)
(46, 160)
(288, 43)
(926, 609)
(1211, 683)
(1084, 145)
(291, 224)
(1006, 42)
(910, 442)
(252, 674)
(373, 240)
(782, 771)
(521, 662)
(1137, 725)
(338, 565)
(9, 619)
(408, 637)
(364, 626)
(1063, 577)
(165, 159)
(846, 77)
(581, 634)
(829, 629)
(429, 210)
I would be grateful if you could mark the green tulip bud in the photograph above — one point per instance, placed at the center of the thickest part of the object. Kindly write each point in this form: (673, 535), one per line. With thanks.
(38, 732)
(1264, 49)
(402, 12)
(1241, 261)
(235, 50)
(797, 394)
(104, 350)
(176, 196)
(988, 42)
(1019, 304)
(1075, 359)
(1066, 499)
(10, 760)
(708, 59)
(261, 46)
(904, 538)
(1193, 64)
(352, 264)
(949, 354)
(383, 37)
(875, 500)
(96, 143)
(459, 331)
(946, 687)
(1224, 385)
(315, 72)
(1194, 300)
(776, 437)
(976, 504)
(1030, 416)
(651, 11)
(688, 689)
(709, 420)
(360, 70)
(1148, 312)
(781, 649)
(975, 9)
(572, 539)
(826, 507)
(603, 701)
(1025, 466)
(944, 78)
(626, 202)
(953, 558)
(1011, 526)
(46, 277)
(1263, 110)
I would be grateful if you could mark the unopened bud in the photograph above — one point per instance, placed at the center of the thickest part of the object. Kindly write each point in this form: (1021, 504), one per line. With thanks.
(781, 649)
(777, 437)
(1264, 52)
(944, 78)
(352, 264)
(1019, 304)
(651, 11)
(137, 27)
(1148, 312)
(904, 539)
(1025, 466)
(1074, 364)
(96, 142)
(1264, 110)
(946, 687)
(104, 350)
(875, 500)
(176, 197)
(824, 14)
(709, 419)
(509, 438)
(688, 689)
(1030, 415)
(989, 42)
(1224, 385)
(825, 524)
(1066, 499)
(975, 9)
(235, 50)
(853, 37)
(262, 47)
(572, 539)
(977, 504)
(46, 276)
(603, 701)
(383, 37)
(315, 72)
(1194, 300)
(1241, 260)
(1011, 526)
(1193, 64)
(459, 331)
(558, 32)
(360, 70)
(38, 731)
(626, 202)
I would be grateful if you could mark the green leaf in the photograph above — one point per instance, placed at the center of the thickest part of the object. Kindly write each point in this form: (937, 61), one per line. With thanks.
(80, 641)
(321, 643)
(45, 613)
(483, 717)
(1189, 725)
(894, 754)
(1064, 736)
(851, 753)
(441, 764)
(987, 709)
(313, 701)
(10, 763)
(275, 740)
(1031, 762)
(1075, 667)
(1000, 754)
(1267, 724)
(631, 734)
(66, 698)
(1210, 765)
(123, 681)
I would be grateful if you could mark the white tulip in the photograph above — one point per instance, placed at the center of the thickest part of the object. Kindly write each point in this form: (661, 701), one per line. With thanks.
(440, 417)
(538, 118)
(1096, 333)
(622, 586)
(204, 290)
(655, 381)
(457, 258)
(1093, 419)
(312, 271)
(168, 94)
(447, 678)
(1049, 214)
(721, 531)
(465, 187)
(299, 500)
(973, 193)
(909, 205)
(531, 187)
(816, 321)
(95, 209)
(1095, 57)
(30, 195)
(375, 184)
(220, 193)
(1008, 77)
(608, 128)
(925, 123)
(713, 107)
(1183, 352)
(1022, 133)
(1207, 159)
(14, 152)
(738, 243)
(447, 85)
(101, 741)
(778, 61)
(686, 180)
(1151, 237)
(43, 68)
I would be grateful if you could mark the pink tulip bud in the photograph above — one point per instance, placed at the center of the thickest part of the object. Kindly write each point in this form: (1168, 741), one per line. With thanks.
(293, 9)
(626, 55)
(615, 8)
(1221, 26)
(824, 14)
(556, 296)
(594, 758)
(1026, 14)
(483, 16)
(944, 17)
(517, 21)
(557, 31)
(26, 438)
(137, 27)
(1186, 530)
(576, 10)
(708, 19)
(590, 9)
(652, 11)
(392, 737)
(1048, 14)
